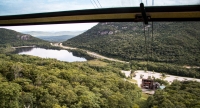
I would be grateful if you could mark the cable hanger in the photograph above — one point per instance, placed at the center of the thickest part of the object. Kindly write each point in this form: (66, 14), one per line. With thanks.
(143, 14)
(145, 19)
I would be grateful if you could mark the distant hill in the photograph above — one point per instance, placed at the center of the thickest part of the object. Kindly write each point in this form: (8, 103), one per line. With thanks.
(10, 38)
(59, 33)
(173, 42)
(56, 38)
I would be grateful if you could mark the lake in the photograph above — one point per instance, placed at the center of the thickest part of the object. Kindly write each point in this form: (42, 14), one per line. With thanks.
(62, 55)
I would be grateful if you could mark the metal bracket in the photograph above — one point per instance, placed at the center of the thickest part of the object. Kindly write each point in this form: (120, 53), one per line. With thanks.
(143, 16)
(139, 17)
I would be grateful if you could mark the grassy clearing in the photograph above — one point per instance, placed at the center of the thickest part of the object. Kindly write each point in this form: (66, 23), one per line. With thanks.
(143, 63)
(97, 62)
(94, 62)
(143, 101)
(144, 96)
(132, 81)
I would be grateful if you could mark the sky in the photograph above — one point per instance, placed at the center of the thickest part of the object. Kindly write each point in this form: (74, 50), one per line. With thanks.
(14, 7)
(52, 27)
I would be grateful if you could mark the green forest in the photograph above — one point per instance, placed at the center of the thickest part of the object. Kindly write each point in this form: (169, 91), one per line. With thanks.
(177, 95)
(172, 42)
(48, 83)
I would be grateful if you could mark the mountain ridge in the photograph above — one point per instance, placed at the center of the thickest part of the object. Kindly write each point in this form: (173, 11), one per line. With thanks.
(14, 38)
(173, 42)
(10, 38)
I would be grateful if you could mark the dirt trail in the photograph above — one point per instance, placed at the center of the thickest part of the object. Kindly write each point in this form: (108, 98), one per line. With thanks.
(92, 54)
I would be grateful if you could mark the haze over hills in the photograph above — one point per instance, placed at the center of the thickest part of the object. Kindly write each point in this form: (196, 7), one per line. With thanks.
(56, 38)
(59, 36)
(59, 33)
(173, 42)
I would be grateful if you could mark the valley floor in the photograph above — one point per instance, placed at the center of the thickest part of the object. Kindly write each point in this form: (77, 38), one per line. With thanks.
(169, 78)
(138, 80)
(92, 54)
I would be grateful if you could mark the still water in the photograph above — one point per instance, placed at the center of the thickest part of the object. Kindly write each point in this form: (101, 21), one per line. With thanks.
(62, 55)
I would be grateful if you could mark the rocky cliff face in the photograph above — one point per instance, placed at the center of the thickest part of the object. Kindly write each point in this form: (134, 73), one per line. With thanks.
(24, 37)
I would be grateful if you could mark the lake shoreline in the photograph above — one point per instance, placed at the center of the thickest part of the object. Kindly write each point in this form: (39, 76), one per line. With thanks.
(90, 53)
(61, 55)
(24, 47)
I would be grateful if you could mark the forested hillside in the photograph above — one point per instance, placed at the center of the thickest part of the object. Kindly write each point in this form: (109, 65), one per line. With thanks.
(172, 42)
(27, 81)
(10, 38)
(18, 39)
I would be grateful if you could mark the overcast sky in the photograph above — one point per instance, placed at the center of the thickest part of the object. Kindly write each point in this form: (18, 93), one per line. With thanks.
(13, 7)
(53, 27)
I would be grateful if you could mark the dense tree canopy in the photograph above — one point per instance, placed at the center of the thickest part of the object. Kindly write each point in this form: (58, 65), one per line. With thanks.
(47, 83)
(177, 95)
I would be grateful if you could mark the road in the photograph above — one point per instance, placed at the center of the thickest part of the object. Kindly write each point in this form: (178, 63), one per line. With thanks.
(23, 47)
(92, 54)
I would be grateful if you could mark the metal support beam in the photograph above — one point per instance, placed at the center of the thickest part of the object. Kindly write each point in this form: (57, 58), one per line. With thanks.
(158, 13)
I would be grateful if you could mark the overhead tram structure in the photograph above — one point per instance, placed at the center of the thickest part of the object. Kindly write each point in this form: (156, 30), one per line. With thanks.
(124, 14)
